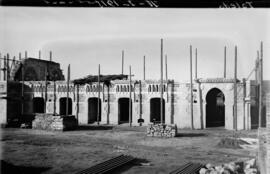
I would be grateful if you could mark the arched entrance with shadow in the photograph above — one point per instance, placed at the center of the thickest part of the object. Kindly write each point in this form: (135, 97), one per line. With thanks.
(63, 105)
(94, 104)
(38, 105)
(155, 114)
(123, 110)
(215, 108)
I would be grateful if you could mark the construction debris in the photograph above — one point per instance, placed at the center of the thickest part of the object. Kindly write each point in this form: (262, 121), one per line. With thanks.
(161, 130)
(53, 122)
(244, 167)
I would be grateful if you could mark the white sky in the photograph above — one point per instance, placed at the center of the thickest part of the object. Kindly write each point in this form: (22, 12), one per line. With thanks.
(86, 37)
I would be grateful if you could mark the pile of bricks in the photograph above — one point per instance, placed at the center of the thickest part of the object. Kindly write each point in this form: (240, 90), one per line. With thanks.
(53, 122)
(161, 130)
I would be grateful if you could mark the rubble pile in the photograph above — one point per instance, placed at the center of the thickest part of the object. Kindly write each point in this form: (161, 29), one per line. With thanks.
(161, 130)
(54, 122)
(243, 167)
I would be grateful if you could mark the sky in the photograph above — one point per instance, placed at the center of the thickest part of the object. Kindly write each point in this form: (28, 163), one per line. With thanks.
(86, 37)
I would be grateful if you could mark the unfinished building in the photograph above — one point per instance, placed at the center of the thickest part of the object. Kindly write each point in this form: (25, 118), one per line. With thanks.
(116, 101)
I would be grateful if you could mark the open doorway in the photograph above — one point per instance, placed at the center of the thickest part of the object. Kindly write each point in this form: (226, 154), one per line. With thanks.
(215, 108)
(63, 106)
(155, 113)
(123, 110)
(38, 105)
(94, 105)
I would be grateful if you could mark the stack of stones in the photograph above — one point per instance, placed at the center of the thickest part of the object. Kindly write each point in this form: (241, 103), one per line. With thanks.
(161, 130)
(244, 167)
(53, 122)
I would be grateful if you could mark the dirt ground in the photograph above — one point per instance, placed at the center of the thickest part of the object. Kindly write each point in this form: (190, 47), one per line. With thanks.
(36, 151)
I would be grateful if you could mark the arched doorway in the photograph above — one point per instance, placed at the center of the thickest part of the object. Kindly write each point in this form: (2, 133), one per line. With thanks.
(38, 105)
(63, 105)
(123, 110)
(155, 114)
(215, 108)
(94, 104)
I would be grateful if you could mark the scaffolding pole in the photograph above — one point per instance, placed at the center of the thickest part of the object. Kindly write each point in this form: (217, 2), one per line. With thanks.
(261, 86)
(130, 107)
(68, 78)
(191, 89)
(235, 90)
(98, 104)
(161, 82)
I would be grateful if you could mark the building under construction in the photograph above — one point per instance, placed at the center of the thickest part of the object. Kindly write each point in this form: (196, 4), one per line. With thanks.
(31, 85)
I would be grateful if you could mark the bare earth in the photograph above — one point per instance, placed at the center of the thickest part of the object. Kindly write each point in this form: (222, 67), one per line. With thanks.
(36, 151)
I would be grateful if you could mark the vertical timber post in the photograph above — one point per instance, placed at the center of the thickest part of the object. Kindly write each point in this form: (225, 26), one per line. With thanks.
(261, 85)
(225, 56)
(166, 72)
(0, 67)
(143, 67)
(196, 64)
(22, 89)
(123, 62)
(25, 55)
(45, 102)
(191, 89)
(161, 82)
(98, 104)
(244, 103)
(130, 107)
(50, 56)
(235, 90)
(68, 78)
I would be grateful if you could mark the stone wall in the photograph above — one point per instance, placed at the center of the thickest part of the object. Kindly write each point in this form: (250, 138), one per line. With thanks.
(52, 122)
(161, 130)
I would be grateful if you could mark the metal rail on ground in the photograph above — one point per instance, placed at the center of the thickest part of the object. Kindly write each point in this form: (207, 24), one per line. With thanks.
(108, 165)
(188, 168)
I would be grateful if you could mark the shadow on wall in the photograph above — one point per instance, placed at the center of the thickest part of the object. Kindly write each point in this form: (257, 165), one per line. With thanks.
(7, 168)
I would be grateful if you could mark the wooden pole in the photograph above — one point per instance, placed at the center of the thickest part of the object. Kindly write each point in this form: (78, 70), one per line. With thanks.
(25, 55)
(39, 66)
(140, 94)
(8, 70)
(235, 89)
(22, 89)
(5, 69)
(98, 112)
(244, 103)
(46, 72)
(225, 57)
(50, 56)
(143, 67)
(261, 86)
(201, 105)
(123, 62)
(130, 107)
(166, 68)
(196, 63)
(161, 82)
(191, 89)
(39, 54)
(166, 71)
(68, 78)
(20, 56)
(0, 67)
(54, 96)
